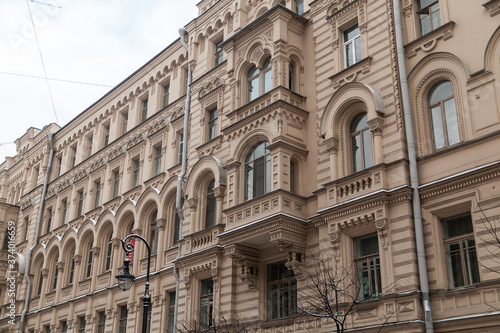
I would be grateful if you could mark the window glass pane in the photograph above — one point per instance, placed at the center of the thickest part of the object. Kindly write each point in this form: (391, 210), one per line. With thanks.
(359, 123)
(470, 261)
(454, 265)
(357, 49)
(440, 91)
(252, 72)
(437, 127)
(349, 55)
(260, 150)
(425, 3)
(249, 181)
(367, 149)
(436, 17)
(253, 89)
(366, 245)
(259, 174)
(267, 171)
(267, 63)
(351, 33)
(268, 80)
(451, 121)
(457, 226)
(425, 23)
(356, 153)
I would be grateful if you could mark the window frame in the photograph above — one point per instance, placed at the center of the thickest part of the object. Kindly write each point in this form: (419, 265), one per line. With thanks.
(287, 283)
(166, 94)
(211, 206)
(136, 162)
(90, 261)
(365, 136)
(158, 160)
(259, 76)
(355, 42)
(465, 265)
(443, 119)
(116, 183)
(144, 109)
(101, 324)
(370, 266)
(266, 176)
(122, 323)
(208, 299)
(213, 124)
(428, 10)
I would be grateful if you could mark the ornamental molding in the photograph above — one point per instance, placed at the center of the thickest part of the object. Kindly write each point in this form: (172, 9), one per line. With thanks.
(248, 261)
(361, 211)
(351, 74)
(264, 226)
(260, 116)
(428, 42)
(459, 182)
(493, 6)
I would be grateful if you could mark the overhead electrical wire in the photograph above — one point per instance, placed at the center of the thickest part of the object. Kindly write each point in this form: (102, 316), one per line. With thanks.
(43, 63)
(60, 80)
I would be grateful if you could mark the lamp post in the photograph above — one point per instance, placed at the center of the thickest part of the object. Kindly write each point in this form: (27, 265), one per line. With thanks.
(125, 279)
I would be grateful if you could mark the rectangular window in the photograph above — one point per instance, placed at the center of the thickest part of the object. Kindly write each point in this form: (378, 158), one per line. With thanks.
(158, 155)
(124, 122)
(281, 291)
(213, 119)
(368, 267)
(64, 326)
(73, 157)
(206, 303)
(299, 7)
(428, 15)
(80, 203)
(81, 329)
(144, 114)
(116, 183)
(6, 241)
(97, 197)
(90, 142)
(180, 147)
(460, 247)
(166, 94)
(102, 322)
(106, 135)
(171, 312)
(59, 165)
(123, 319)
(49, 219)
(352, 46)
(137, 168)
(64, 212)
(219, 54)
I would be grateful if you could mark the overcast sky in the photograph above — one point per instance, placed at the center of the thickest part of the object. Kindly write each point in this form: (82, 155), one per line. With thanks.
(100, 42)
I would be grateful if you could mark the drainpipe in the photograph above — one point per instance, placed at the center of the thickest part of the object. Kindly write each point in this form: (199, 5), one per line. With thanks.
(37, 232)
(417, 212)
(180, 178)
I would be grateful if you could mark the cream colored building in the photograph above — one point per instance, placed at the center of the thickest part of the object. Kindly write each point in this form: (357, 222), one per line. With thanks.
(306, 138)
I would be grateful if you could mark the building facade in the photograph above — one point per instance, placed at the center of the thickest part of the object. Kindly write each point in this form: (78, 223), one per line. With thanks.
(307, 138)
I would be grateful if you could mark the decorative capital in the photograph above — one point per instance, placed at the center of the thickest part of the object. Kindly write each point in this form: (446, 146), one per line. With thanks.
(110, 313)
(45, 272)
(78, 258)
(96, 250)
(376, 125)
(332, 144)
(60, 266)
(219, 191)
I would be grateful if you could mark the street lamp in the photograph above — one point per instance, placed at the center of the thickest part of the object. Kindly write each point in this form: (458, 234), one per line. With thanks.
(125, 279)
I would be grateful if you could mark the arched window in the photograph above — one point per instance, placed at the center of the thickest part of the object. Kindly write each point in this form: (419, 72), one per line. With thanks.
(292, 177)
(291, 77)
(71, 269)
(211, 209)
(259, 81)
(40, 284)
(258, 171)
(177, 223)
(444, 115)
(360, 143)
(109, 253)
(90, 259)
(153, 233)
(56, 275)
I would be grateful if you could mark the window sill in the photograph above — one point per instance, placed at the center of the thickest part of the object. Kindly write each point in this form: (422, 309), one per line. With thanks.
(429, 41)
(350, 74)
(493, 6)
(208, 147)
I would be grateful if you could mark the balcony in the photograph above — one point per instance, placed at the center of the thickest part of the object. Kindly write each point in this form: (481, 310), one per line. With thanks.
(274, 202)
(203, 239)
